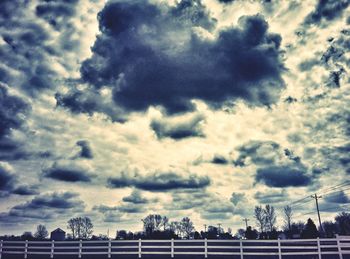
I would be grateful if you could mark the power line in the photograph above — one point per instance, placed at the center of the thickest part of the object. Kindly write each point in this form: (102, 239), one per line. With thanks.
(323, 192)
(332, 193)
(343, 184)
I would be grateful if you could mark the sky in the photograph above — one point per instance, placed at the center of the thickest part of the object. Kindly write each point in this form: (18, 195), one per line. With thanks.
(119, 109)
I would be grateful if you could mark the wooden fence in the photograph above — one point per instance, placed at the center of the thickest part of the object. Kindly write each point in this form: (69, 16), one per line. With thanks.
(338, 247)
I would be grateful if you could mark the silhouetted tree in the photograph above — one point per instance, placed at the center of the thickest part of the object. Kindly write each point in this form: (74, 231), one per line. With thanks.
(86, 227)
(27, 236)
(165, 222)
(41, 232)
(154, 222)
(251, 233)
(240, 233)
(212, 232)
(310, 230)
(260, 217)
(330, 228)
(343, 222)
(270, 216)
(175, 227)
(81, 227)
(296, 229)
(187, 227)
(288, 214)
(121, 235)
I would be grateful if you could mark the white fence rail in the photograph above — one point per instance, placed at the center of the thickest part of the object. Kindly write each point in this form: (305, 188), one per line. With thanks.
(328, 246)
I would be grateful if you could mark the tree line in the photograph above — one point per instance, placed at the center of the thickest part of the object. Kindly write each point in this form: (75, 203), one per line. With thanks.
(156, 226)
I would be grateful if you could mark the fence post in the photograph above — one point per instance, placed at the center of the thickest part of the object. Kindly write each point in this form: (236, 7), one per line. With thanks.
(80, 247)
(339, 247)
(140, 248)
(109, 248)
(26, 249)
(319, 248)
(241, 248)
(1, 243)
(205, 248)
(172, 248)
(279, 248)
(52, 248)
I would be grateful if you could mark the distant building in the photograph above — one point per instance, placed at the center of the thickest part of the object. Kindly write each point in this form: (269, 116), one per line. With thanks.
(58, 235)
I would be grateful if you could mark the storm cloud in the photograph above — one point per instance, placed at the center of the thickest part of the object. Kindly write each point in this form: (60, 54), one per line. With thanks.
(178, 128)
(45, 207)
(153, 57)
(136, 198)
(7, 179)
(328, 10)
(159, 181)
(282, 176)
(67, 173)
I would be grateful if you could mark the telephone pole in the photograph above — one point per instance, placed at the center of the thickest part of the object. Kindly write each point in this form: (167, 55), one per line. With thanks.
(205, 228)
(246, 222)
(318, 210)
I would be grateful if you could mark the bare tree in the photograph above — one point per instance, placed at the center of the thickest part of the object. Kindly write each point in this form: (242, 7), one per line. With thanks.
(165, 222)
(259, 215)
(81, 227)
(187, 227)
(148, 224)
(270, 216)
(86, 227)
(288, 214)
(41, 232)
(72, 226)
(158, 221)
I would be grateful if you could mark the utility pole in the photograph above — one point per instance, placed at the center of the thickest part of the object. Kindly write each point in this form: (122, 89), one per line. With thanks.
(318, 210)
(246, 222)
(219, 224)
(205, 228)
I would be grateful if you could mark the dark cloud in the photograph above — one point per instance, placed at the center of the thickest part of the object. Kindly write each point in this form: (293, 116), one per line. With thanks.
(67, 173)
(12, 114)
(45, 207)
(226, 1)
(190, 127)
(7, 179)
(152, 57)
(338, 197)
(271, 197)
(25, 190)
(282, 176)
(86, 151)
(328, 10)
(89, 102)
(120, 209)
(11, 109)
(9, 183)
(219, 160)
(159, 181)
(136, 198)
